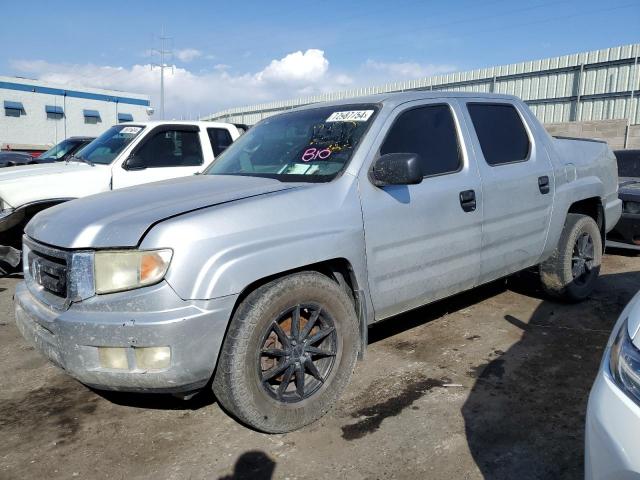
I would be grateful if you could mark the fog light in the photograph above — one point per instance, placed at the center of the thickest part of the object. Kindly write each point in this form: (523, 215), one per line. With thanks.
(153, 358)
(113, 357)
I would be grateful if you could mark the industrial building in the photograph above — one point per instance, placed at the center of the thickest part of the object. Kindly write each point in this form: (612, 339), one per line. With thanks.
(36, 115)
(591, 94)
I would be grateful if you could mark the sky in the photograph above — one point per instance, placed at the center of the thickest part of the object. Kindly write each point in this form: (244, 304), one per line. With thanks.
(228, 54)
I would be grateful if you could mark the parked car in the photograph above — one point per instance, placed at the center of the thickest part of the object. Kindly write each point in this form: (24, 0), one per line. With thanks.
(63, 150)
(613, 415)
(626, 233)
(126, 154)
(264, 273)
(11, 159)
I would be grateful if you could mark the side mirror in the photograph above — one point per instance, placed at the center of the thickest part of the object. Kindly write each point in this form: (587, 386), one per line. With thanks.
(134, 162)
(397, 169)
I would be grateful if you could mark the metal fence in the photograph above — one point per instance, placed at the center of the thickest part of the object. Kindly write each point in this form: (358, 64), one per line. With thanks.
(587, 86)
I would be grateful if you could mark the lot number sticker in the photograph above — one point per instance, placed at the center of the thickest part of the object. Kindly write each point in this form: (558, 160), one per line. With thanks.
(350, 116)
(131, 130)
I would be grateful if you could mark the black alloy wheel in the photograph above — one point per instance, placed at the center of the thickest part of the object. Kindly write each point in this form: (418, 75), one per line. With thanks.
(582, 259)
(289, 352)
(297, 353)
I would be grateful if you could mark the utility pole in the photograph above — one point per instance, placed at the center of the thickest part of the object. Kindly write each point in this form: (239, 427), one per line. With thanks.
(164, 54)
(630, 112)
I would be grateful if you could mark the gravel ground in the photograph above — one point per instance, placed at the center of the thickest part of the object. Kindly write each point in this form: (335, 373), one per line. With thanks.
(492, 384)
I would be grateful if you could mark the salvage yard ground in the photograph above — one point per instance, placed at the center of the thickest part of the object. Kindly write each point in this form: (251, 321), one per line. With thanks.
(492, 384)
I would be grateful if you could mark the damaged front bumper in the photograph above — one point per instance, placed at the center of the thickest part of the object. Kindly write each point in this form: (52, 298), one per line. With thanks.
(9, 255)
(9, 218)
(150, 317)
(10, 233)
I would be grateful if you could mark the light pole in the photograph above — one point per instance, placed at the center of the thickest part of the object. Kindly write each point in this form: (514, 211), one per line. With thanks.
(164, 55)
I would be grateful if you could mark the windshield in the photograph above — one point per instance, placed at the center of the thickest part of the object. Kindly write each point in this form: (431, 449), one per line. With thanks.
(306, 146)
(104, 149)
(628, 163)
(60, 150)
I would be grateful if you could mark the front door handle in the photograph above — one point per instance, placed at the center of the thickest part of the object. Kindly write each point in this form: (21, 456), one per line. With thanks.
(468, 200)
(543, 184)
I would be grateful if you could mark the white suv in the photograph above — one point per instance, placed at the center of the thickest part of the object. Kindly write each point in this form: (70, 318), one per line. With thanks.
(126, 154)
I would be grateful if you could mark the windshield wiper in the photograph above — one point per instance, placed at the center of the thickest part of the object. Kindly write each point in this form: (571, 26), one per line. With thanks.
(80, 159)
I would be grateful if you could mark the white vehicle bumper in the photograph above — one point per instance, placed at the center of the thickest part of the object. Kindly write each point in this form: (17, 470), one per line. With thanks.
(612, 447)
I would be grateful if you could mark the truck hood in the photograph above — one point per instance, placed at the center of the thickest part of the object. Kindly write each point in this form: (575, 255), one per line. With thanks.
(20, 172)
(120, 218)
(24, 184)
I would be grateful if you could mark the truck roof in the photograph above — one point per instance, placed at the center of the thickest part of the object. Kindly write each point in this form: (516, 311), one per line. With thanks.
(199, 123)
(396, 98)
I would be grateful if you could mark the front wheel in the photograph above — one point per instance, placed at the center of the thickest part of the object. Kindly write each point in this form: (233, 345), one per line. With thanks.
(289, 353)
(572, 270)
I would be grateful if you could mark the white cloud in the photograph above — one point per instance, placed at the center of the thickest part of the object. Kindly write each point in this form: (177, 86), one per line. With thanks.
(297, 67)
(187, 54)
(189, 93)
(192, 93)
(407, 70)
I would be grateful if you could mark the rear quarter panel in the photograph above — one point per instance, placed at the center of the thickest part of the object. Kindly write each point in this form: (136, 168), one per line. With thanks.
(583, 169)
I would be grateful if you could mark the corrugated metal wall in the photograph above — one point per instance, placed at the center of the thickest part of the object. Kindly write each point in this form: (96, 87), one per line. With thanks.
(596, 85)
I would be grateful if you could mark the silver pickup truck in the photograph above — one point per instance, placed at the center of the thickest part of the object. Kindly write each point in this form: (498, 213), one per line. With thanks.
(259, 278)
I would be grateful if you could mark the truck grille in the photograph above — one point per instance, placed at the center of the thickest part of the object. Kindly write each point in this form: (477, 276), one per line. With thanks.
(55, 276)
(49, 272)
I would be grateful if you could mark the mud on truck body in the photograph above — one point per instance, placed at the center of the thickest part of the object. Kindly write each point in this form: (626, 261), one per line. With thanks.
(260, 277)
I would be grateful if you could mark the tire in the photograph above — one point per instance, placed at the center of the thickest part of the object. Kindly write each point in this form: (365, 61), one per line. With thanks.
(244, 382)
(562, 275)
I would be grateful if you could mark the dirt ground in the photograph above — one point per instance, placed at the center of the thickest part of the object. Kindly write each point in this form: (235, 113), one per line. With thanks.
(491, 384)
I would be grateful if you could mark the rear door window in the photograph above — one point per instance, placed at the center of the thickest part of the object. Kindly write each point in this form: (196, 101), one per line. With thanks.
(220, 139)
(628, 163)
(500, 131)
(430, 132)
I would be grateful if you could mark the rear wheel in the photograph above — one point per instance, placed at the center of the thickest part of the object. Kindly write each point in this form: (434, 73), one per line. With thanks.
(289, 353)
(572, 271)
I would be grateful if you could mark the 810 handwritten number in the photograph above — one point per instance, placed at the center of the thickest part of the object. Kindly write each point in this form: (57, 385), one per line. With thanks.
(311, 154)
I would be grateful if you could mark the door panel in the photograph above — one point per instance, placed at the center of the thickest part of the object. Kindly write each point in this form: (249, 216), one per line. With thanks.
(148, 175)
(516, 211)
(421, 244)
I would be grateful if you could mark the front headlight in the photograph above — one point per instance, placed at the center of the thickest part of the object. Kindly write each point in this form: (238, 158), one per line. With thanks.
(118, 270)
(631, 207)
(624, 364)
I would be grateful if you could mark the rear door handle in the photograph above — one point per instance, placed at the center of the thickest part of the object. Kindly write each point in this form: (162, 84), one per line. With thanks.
(468, 200)
(543, 184)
